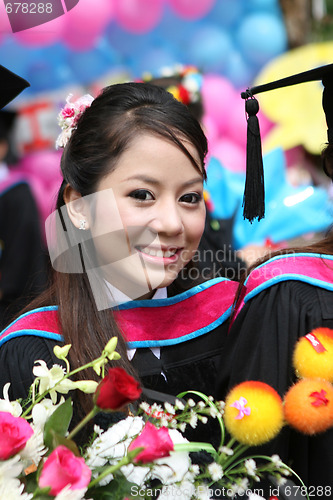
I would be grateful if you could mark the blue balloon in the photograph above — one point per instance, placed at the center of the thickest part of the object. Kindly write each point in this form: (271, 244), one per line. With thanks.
(154, 60)
(261, 37)
(123, 42)
(89, 65)
(209, 48)
(226, 13)
(238, 71)
(271, 6)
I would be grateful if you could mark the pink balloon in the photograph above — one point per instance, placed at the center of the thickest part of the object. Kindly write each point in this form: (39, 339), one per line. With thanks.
(230, 154)
(89, 18)
(79, 41)
(236, 124)
(218, 96)
(210, 129)
(43, 35)
(191, 9)
(138, 16)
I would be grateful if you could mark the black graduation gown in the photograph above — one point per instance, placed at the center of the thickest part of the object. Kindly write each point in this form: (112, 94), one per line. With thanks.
(189, 362)
(23, 258)
(260, 346)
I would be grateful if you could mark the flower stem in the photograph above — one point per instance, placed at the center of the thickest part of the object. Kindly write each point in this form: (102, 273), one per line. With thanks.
(110, 470)
(83, 422)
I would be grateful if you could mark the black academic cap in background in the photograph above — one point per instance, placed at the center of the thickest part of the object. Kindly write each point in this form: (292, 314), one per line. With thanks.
(254, 193)
(7, 120)
(11, 85)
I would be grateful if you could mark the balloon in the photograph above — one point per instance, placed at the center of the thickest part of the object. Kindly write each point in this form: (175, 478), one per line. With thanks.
(79, 41)
(45, 34)
(261, 37)
(154, 60)
(189, 9)
(209, 48)
(126, 43)
(86, 18)
(90, 65)
(226, 12)
(230, 154)
(218, 97)
(138, 16)
(267, 5)
(238, 71)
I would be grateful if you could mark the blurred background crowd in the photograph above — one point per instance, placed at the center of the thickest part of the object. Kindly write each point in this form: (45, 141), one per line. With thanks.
(230, 45)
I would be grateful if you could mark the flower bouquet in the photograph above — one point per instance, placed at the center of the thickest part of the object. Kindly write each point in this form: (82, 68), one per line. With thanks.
(145, 454)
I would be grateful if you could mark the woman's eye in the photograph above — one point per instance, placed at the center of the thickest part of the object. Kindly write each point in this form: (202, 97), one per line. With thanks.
(191, 198)
(141, 195)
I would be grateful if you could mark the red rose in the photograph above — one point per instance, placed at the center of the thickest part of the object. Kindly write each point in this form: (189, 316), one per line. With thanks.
(116, 390)
(14, 434)
(156, 442)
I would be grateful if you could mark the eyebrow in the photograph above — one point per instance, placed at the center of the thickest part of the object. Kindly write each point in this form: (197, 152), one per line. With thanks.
(150, 180)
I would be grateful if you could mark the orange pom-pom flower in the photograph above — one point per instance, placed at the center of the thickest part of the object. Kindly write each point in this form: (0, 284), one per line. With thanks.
(308, 406)
(253, 413)
(313, 355)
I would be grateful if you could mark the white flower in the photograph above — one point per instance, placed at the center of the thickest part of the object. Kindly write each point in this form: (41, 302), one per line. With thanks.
(42, 411)
(201, 405)
(113, 443)
(215, 470)
(175, 467)
(10, 469)
(12, 407)
(203, 492)
(68, 494)
(194, 469)
(12, 489)
(250, 466)
(280, 480)
(204, 420)
(193, 420)
(191, 403)
(169, 408)
(49, 378)
(182, 426)
(34, 449)
(213, 412)
(226, 450)
(144, 406)
(180, 406)
(277, 460)
(135, 474)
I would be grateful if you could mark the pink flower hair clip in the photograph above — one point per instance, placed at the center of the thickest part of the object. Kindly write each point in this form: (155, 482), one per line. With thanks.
(69, 116)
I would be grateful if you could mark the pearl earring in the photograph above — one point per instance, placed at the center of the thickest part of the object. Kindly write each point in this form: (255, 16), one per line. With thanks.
(82, 225)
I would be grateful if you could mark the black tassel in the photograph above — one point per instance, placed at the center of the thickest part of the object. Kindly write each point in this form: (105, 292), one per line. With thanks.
(254, 193)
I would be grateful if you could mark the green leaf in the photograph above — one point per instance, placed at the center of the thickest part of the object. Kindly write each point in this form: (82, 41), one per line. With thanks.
(58, 423)
(118, 489)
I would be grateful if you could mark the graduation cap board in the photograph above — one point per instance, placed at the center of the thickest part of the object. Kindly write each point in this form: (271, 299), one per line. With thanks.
(11, 85)
(254, 193)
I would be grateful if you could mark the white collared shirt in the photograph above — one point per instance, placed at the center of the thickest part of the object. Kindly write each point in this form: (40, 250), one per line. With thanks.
(118, 297)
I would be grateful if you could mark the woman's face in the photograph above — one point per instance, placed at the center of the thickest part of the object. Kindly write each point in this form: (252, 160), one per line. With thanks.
(148, 216)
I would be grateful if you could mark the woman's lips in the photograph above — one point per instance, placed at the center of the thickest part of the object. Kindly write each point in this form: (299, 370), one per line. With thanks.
(165, 255)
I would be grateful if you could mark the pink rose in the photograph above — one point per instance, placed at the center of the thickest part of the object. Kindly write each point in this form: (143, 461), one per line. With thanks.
(68, 112)
(61, 468)
(156, 442)
(14, 434)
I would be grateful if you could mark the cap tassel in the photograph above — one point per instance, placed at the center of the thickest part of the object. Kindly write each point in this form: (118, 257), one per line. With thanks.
(254, 193)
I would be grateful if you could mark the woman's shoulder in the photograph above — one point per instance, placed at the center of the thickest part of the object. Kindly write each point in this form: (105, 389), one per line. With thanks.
(41, 322)
(311, 268)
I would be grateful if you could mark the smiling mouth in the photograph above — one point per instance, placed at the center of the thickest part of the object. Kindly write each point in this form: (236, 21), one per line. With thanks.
(159, 252)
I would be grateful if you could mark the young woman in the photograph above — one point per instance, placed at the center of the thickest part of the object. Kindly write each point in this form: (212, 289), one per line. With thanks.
(129, 218)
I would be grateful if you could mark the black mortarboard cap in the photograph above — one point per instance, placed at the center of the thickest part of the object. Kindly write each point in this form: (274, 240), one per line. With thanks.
(254, 193)
(11, 85)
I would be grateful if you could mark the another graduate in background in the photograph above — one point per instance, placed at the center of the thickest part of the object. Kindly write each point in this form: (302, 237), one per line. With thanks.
(283, 299)
(22, 256)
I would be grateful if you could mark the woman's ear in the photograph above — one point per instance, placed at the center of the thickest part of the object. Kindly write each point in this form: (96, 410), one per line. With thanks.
(76, 207)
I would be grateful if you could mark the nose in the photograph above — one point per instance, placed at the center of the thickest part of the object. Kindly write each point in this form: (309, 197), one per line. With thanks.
(167, 219)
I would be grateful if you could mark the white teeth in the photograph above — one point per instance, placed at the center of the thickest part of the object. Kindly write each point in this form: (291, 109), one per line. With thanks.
(157, 253)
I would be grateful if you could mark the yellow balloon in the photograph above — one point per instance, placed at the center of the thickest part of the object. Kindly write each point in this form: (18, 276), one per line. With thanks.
(296, 111)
